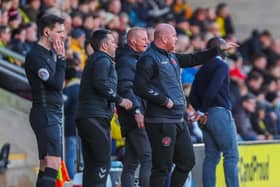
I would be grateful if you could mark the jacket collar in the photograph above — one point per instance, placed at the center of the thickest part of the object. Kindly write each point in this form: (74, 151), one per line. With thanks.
(132, 52)
(104, 54)
(162, 51)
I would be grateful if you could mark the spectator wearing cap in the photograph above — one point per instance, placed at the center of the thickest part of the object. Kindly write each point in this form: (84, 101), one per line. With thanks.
(78, 43)
(237, 85)
(242, 115)
(14, 19)
(273, 112)
(237, 80)
(16, 7)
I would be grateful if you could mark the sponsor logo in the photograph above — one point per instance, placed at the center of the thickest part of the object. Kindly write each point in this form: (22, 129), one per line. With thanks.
(173, 61)
(111, 91)
(43, 74)
(166, 141)
(102, 173)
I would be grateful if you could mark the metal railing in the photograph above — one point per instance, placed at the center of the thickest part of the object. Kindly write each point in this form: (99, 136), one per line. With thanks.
(8, 52)
(12, 77)
(12, 67)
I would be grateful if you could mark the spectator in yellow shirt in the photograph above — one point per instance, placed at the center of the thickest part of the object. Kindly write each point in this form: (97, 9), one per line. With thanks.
(77, 45)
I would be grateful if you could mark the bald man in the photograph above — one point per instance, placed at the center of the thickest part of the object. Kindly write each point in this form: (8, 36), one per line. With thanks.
(157, 80)
(137, 147)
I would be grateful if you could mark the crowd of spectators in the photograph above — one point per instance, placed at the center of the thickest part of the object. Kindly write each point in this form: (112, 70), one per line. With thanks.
(254, 66)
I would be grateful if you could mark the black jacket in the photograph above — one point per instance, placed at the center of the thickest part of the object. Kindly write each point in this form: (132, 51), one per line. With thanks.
(158, 79)
(126, 60)
(45, 76)
(98, 90)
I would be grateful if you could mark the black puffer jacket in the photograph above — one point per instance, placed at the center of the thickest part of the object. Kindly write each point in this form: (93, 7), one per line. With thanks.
(98, 91)
(126, 60)
(157, 79)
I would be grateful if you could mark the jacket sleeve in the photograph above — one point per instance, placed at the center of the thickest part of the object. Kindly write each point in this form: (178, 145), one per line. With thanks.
(189, 60)
(100, 81)
(145, 71)
(53, 78)
(126, 74)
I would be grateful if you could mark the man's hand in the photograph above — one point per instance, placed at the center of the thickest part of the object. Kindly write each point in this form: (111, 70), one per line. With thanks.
(58, 46)
(126, 103)
(169, 104)
(198, 116)
(203, 119)
(193, 116)
(228, 46)
(139, 118)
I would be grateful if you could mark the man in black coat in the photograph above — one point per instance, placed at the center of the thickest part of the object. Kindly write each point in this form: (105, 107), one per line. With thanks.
(158, 81)
(137, 147)
(97, 99)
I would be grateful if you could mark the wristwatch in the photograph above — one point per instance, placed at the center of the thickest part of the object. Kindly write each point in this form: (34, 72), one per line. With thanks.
(137, 111)
(60, 57)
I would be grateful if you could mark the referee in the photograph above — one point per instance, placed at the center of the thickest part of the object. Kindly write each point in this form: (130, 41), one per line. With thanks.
(45, 70)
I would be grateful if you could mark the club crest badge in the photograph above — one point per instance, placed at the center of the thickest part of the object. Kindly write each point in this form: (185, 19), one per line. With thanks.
(43, 74)
(166, 141)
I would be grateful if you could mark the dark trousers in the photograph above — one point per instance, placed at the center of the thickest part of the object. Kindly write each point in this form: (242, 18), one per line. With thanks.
(171, 143)
(96, 143)
(137, 149)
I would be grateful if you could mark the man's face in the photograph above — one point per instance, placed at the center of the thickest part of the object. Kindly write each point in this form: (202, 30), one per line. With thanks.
(22, 36)
(250, 105)
(31, 33)
(57, 33)
(171, 39)
(141, 41)
(111, 45)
